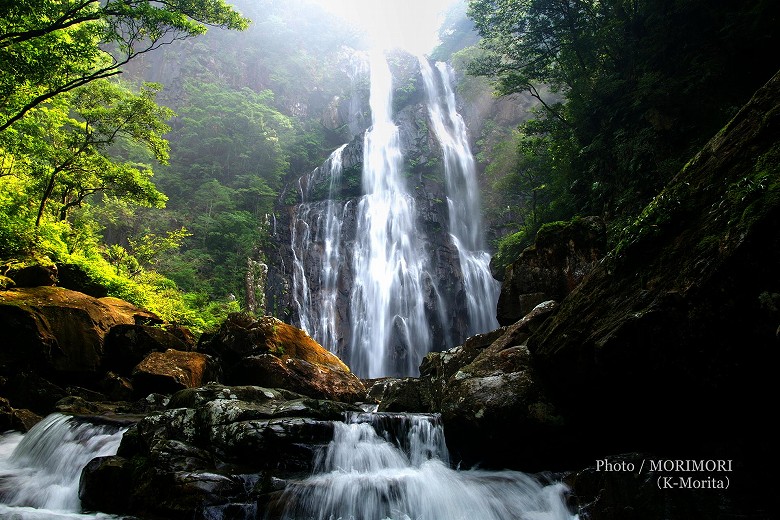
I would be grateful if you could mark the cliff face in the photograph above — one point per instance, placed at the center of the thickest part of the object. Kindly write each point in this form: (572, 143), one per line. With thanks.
(672, 339)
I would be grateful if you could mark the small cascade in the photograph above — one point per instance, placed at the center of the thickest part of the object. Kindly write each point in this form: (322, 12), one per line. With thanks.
(463, 203)
(396, 467)
(40, 470)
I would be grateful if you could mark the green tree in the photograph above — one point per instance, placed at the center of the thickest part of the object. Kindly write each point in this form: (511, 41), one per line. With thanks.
(644, 83)
(66, 146)
(49, 47)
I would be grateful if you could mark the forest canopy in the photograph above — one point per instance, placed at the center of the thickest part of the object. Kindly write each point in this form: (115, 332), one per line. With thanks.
(635, 88)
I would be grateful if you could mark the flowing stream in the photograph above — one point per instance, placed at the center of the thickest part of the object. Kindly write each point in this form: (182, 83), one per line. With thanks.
(40, 470)
(379, 466)
(396, 467)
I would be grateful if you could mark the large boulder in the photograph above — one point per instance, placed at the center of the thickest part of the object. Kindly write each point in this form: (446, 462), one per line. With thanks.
(562, 254)
(127, 345)
(211, 447)
(173, 370)
(495, 411)
(268, 352)
(55, 330)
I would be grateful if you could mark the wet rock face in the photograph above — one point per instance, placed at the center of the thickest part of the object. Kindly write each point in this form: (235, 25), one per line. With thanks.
(672, 341)
(199, 451)
(550, 269)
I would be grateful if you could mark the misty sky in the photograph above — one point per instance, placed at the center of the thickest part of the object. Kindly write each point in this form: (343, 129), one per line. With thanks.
(409, 24)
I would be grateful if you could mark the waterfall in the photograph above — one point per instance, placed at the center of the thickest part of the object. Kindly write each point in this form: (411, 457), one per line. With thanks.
(390, 333)
(462, 198)
(40, 470)
(370, 282)
(316, 300)
(395, 467)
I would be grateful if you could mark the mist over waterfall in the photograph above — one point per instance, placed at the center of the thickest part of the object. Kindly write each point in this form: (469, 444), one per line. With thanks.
(389, 261)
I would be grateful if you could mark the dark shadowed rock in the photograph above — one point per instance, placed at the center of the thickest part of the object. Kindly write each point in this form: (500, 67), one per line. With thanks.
(50, 329)
(108, 480)
(562, 254)
(33, 275)
(127, 345)
(670, 342)
(16, 419)
(198, 453)
(73, 277)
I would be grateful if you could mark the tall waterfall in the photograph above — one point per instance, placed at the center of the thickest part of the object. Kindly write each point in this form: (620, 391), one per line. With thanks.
(395, 467)
(40, 470)
(371, 282)
(390, 333)
(463, 204)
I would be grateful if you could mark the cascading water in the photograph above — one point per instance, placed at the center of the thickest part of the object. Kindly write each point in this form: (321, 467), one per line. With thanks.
(404, 291)
(462, 198)
(40, 470)
(318, 316)
(390, 333)
(395, 467)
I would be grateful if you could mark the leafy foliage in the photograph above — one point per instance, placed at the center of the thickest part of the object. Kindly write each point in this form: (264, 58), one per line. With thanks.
(644, 84)
(48, 48)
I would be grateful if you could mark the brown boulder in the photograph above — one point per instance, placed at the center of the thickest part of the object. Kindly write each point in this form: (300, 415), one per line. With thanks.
(268, 352)
(16, 419)
(50, 329)
(127, 345)
(173, 370)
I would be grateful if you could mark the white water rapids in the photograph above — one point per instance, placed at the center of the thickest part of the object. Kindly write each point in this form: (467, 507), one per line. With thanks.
(379, 466)
(396, 467)
(40, 470)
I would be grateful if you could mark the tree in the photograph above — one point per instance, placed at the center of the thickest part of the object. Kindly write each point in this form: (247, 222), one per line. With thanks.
(645, 83)
(50, 47)
(66, 146)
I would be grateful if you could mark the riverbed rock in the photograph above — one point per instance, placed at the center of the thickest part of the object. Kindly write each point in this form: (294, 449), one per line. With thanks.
(199, 452)
(55, 330)
(268, 352)
(173, 370)
(16, 419)
(496, 397)
(126, 345)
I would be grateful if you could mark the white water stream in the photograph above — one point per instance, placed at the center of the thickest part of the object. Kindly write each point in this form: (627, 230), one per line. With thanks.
(390, 332)
(385, 318)
(463, 203)
(40, 471)
(395, 467)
